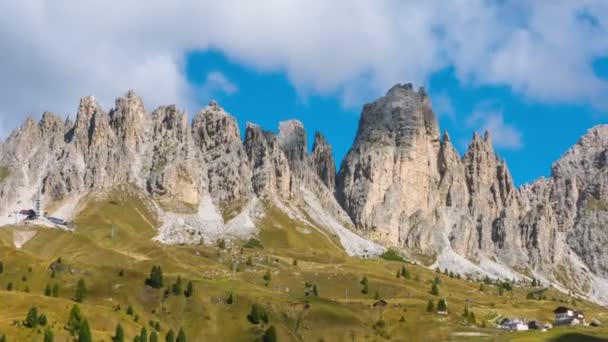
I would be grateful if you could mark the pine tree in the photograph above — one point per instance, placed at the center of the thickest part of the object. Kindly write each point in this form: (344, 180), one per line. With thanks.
(442, 306)
(430, 307)
(48, 335)
(181, 336)
(170, 337)
(267, 276)
(230, 300)
(143, 335)
(9, 286)
(55, 291)
(156, 278)
(481, 288)
(74, 321)
(365, 289)
(398, 275)
(31, 320)
(249, 262)
(377, 295)
(154, 336)
(42, 320)
(189, 290)
(315, 291)
(405, 273)
(81, 291)
(119, 335)
(254, 314)
(84, 332)
(47, 290)
(176, 289)
(1, 267)
(270, 335)
(437, 281)
(364, 281)
(435, 290)
(3, 338)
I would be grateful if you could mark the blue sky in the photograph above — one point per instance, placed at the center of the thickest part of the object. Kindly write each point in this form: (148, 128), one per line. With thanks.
(535, 73)
(542, 132)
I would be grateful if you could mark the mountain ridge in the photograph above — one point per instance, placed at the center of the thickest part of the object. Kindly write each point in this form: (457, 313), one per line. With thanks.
(402, 185)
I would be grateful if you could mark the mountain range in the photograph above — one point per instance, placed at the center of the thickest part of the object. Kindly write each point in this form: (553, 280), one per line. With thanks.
(402, 185)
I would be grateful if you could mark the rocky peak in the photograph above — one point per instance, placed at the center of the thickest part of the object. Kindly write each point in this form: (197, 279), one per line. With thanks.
(213, 127)
(92, 124)
(271, 174)
(323, 161)
(292, 138)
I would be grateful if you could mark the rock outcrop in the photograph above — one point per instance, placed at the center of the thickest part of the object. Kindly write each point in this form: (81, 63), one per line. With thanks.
(401, 184)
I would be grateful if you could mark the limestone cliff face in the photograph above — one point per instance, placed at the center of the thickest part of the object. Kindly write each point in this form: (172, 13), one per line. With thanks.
(400, 184)
(404, 186)
(391, 170)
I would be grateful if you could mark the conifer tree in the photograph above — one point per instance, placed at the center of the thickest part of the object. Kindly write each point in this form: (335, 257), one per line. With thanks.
(55, 291)
(47, 290)
(230, 300)
(81, 291)
(3, 338)
(270, 335)
(177, 287)
(156, 278)
(154, 336)
(377, 295)
(143, 335)
(48, 335)
(430, 307)
(170, 337)
(189, 290)
(181, 336)
(42, 320)
(84, 332)
(435, 290)
(31, 320)
(442, 306)
(9, 286)
(119, 334)
(1, 267)
(254, 314)
(74, 320)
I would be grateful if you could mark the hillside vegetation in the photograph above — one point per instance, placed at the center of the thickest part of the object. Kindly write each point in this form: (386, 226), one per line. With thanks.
(240, 289)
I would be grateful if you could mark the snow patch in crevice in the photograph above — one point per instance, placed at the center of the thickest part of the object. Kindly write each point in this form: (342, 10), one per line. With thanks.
(353, 244)
(206, 226)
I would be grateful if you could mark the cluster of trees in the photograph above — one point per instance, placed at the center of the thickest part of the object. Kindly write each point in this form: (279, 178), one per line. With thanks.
(403, 273)
(365, 284)
(435, 287)
(78, 325)
(257, 315)
(155, 280)
(33, 320)
(177, 288)
(442, 306)
(119, 335)
(51, 291)
(537, 294)
(536, 283)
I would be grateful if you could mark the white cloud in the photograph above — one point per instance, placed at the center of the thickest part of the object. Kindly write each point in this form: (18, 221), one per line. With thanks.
(217, 82)
(503, 135)
(442, 105)
(54, 52)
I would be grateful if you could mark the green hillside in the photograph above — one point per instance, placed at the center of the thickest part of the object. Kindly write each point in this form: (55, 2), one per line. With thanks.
(272, 273)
